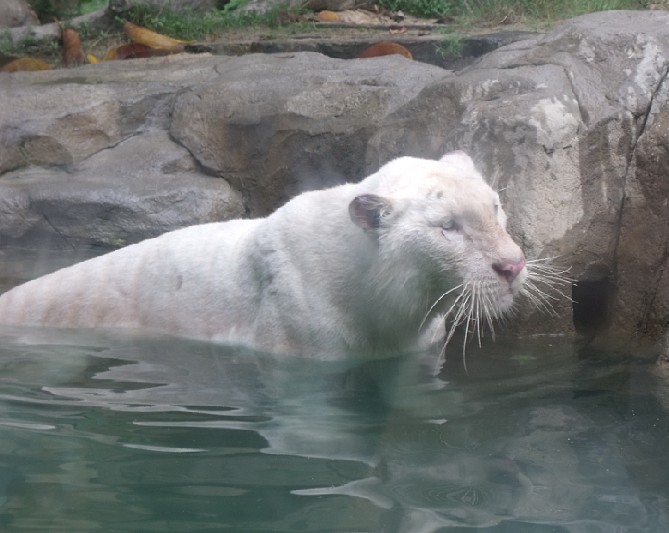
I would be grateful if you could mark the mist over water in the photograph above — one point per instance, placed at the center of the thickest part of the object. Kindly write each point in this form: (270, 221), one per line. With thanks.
(127, 432)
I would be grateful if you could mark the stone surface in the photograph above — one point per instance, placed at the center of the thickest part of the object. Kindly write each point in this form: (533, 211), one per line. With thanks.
(14, 13)
(263, 6)
(571, 127)
(119, 195)
(585, 141)
(88, 160)
(276, 125)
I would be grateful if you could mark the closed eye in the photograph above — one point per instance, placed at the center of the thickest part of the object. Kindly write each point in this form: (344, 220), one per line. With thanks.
(450, 225)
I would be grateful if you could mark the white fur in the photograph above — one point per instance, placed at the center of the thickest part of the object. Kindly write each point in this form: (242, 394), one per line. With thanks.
(311, 278)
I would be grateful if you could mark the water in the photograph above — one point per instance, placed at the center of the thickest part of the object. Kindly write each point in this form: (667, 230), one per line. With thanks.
(124, 432)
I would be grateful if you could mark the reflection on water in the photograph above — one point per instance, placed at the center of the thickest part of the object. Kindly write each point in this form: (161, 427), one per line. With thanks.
(135, 433)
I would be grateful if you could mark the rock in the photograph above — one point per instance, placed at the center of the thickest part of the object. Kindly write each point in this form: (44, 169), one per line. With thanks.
(580, 116)
(570, 126)
(642, 254)
(14, 13)
(90, 163)
(52, 32)
(118, 196)
(262, 7)
(119, 6)
(276, 125)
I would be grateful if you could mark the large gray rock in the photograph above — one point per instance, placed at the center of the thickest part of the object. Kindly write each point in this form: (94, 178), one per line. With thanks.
(119, 195)
(570, 126)
(76, 142)
(577, 124)
(276, 125)
(87, 159)
(15, 13)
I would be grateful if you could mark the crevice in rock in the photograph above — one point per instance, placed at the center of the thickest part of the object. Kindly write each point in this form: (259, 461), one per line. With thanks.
(74, 168)
(200, 167)
(649, 304)
(60, 234)
(583, 114)
(582, 111)
(642, 120)
(592, 295)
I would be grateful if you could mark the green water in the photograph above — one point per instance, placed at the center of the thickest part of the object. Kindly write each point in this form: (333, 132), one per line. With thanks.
(132, 433)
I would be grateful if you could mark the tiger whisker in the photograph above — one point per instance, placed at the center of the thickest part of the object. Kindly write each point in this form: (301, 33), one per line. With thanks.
(476, 305)
(437, 303)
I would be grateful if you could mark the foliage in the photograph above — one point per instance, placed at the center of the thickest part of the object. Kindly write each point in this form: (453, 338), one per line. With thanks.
(194, 26)
(451, 45)
(51, 10)
(88, 6)
(30, 45)
(421, 8)
(491, 11)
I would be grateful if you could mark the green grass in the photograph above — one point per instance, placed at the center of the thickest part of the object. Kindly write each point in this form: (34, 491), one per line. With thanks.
(88, 6)
(451, 45)
(485, 12)
(197, 26)
(30, 46)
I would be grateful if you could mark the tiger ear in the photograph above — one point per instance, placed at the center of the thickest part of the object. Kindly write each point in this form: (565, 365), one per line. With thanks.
(366, 211)
(459, 160)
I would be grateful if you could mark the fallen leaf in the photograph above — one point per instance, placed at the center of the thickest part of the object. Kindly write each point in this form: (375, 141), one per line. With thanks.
(110, 55)
(327, 16)
(361, 17)
(92, 59)
(140, 35)
(25, 64)
(385, 48)
(72, 52)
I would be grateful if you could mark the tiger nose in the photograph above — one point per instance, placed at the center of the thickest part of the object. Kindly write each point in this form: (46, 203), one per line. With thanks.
(509, 270)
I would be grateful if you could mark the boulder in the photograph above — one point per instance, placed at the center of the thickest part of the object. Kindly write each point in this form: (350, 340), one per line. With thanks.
(77, 142)
(14, 13)
(277, 125)
(575, 125)
(88, 161)
(571, 127)
(119, 195)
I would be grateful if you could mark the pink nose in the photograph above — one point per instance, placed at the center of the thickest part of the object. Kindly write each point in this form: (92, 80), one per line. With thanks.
(509, 270)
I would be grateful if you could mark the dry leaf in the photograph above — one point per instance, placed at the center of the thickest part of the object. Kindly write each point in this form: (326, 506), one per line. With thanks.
(72, 52)
(385, 48)
(327, 16)
(24, 64)
(140, 35)
(110, 55)
(362, 17)
(92, 59)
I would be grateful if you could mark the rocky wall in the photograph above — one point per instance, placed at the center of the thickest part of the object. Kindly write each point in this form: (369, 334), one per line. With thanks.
(570, 126)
